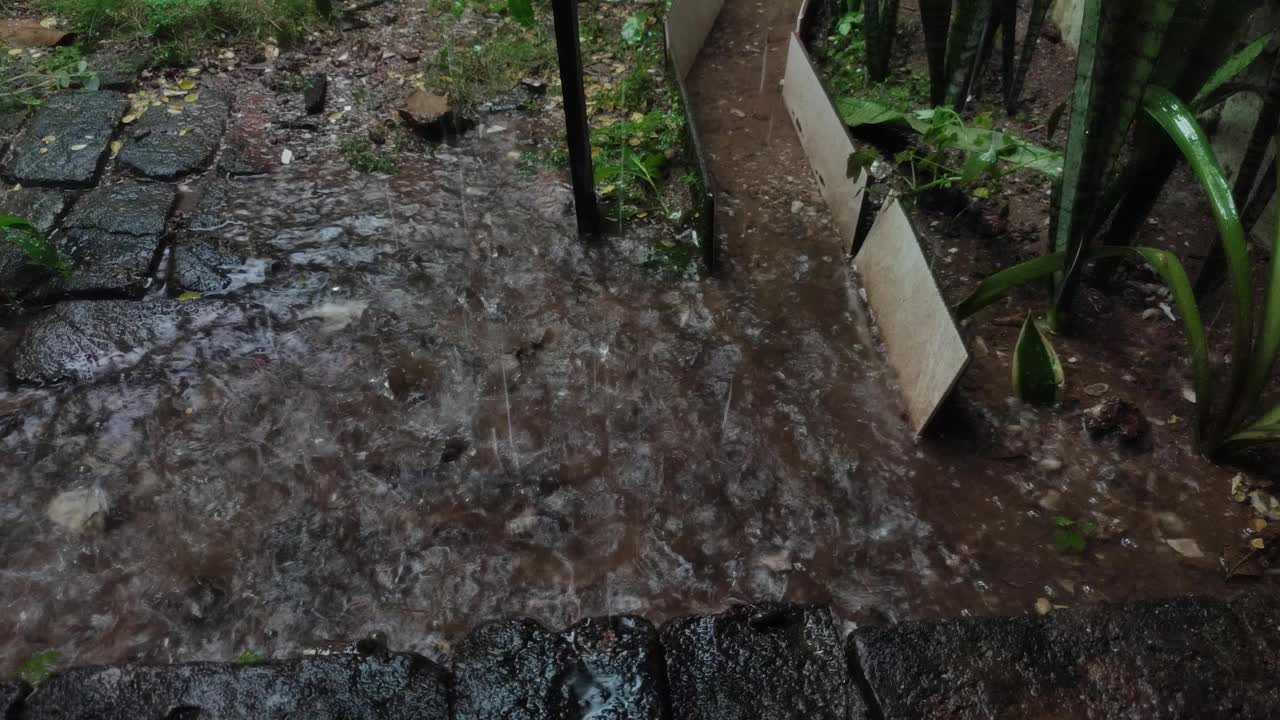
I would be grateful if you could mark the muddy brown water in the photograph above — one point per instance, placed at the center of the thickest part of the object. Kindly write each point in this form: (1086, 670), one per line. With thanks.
(429, 404)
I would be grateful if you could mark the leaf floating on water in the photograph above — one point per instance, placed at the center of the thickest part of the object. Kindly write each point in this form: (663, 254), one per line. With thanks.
(44, 150)
(175, 110)
(191, 98)
(116, 146)
(184, 132)
(48, 139)
(79, 147)
(189, 295)
(187, 84)
(335, 117)
(128, 119)
(1185, 547)
(286, 156)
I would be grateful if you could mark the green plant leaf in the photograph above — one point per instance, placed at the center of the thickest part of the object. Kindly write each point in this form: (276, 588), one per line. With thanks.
(38, 667)
(1037, 371)
(522, 12)
(935, 16)
(1179, 122)
(633, 29)
(38, 249)
(249, 657)
(1119, 42)
(857, 111)
(969, 28)
(997, 286)
(1268, 346)
(1071, 537)
(1232, 68)
(860, 161)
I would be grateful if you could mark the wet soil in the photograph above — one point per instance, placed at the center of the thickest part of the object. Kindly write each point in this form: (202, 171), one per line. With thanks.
(429, 404)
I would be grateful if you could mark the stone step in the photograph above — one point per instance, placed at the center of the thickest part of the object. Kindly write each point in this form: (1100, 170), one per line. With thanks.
(66, 142)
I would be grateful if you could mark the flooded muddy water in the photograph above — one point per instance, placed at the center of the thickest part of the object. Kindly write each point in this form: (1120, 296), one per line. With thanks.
(426, 403)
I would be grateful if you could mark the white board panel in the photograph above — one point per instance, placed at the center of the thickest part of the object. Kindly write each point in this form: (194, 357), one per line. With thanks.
(688, 23)
(825, 140)
(920, 336)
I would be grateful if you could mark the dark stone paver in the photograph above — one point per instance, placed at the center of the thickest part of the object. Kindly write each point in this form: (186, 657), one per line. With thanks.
(623, 672)
(1186, 658)
(76, 340)
(75, 119)
(204, 264)
(113, 236)
(333, 687)
(131, 208)
(11, 694)
(107, 262)
(38, 206)
(163, 145)
(513, 670)
(759, 661)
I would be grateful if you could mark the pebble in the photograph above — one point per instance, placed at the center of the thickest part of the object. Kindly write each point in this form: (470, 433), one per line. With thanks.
(1097, 389)
(1050, 464)
(796, 207)
(80, 510)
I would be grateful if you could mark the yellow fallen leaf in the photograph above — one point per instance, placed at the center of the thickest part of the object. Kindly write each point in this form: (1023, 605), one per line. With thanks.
(634, 142)
(175, 111)
(608, 189)
(116, 146)
(1259, 524)
(15, 52)
(637, 117)
(165, 99)
(174, 93)
(188, 295)
(128, 118)
(48, 139)
(44, 150)
(79, 147)
(184, 132)
(1258, 544)
(193, 71)
(191, 98)
(335, 117)
(187, 84)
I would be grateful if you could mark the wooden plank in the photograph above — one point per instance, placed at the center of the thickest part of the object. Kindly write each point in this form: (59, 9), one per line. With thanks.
(688, 23)
(920, 336)
(825, 140)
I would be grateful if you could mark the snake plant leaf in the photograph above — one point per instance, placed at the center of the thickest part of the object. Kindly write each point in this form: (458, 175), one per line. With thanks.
(935, 16)
(1263, 130)
(1119, 43)
(1030, 42)
(1177, 120)
(1170, 269)
(1268, 347)
(1008, 44)
(1037, 371)
(968, 31)
(1231, 69)
(997, 286)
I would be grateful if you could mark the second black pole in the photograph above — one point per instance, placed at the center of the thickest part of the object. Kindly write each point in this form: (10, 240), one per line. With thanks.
(575, 115)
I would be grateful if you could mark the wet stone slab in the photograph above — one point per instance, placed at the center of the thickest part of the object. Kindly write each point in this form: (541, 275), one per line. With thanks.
(622, 672)
(759, 661)
(389, 687)
(514, 670)
(131, 208)
(12, 693)
(76, 340)
(113, 236)
(81, 126)
(1185, 658)
(38, 206)
(165, 145)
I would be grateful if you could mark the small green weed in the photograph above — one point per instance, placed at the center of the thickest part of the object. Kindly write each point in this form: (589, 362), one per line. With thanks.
(38, 249)
(38, 667)
(472, 74)
(1071, 537)
(249, 657)
(26, 78)
(363, 156)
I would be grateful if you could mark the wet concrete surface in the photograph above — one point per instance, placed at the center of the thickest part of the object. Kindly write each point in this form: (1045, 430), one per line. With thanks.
(429, 404)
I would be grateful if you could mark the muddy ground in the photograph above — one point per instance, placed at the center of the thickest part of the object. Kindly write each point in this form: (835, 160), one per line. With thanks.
(423, 402)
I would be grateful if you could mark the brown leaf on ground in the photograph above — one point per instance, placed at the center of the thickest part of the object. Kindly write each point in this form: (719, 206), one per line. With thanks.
(29, 34)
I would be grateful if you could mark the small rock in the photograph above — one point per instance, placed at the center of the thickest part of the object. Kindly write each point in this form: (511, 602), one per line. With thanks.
(534, 85)
(796, 207)
(1050, 464)
(317, 91)
(80, 510)
(1118, 417)
(1097, 389)
(1186, 547)
(286, 156)
(737, 113)
(432, 116)
(410, 54)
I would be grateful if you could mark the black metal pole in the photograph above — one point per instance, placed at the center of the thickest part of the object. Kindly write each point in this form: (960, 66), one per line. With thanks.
(575, 115)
